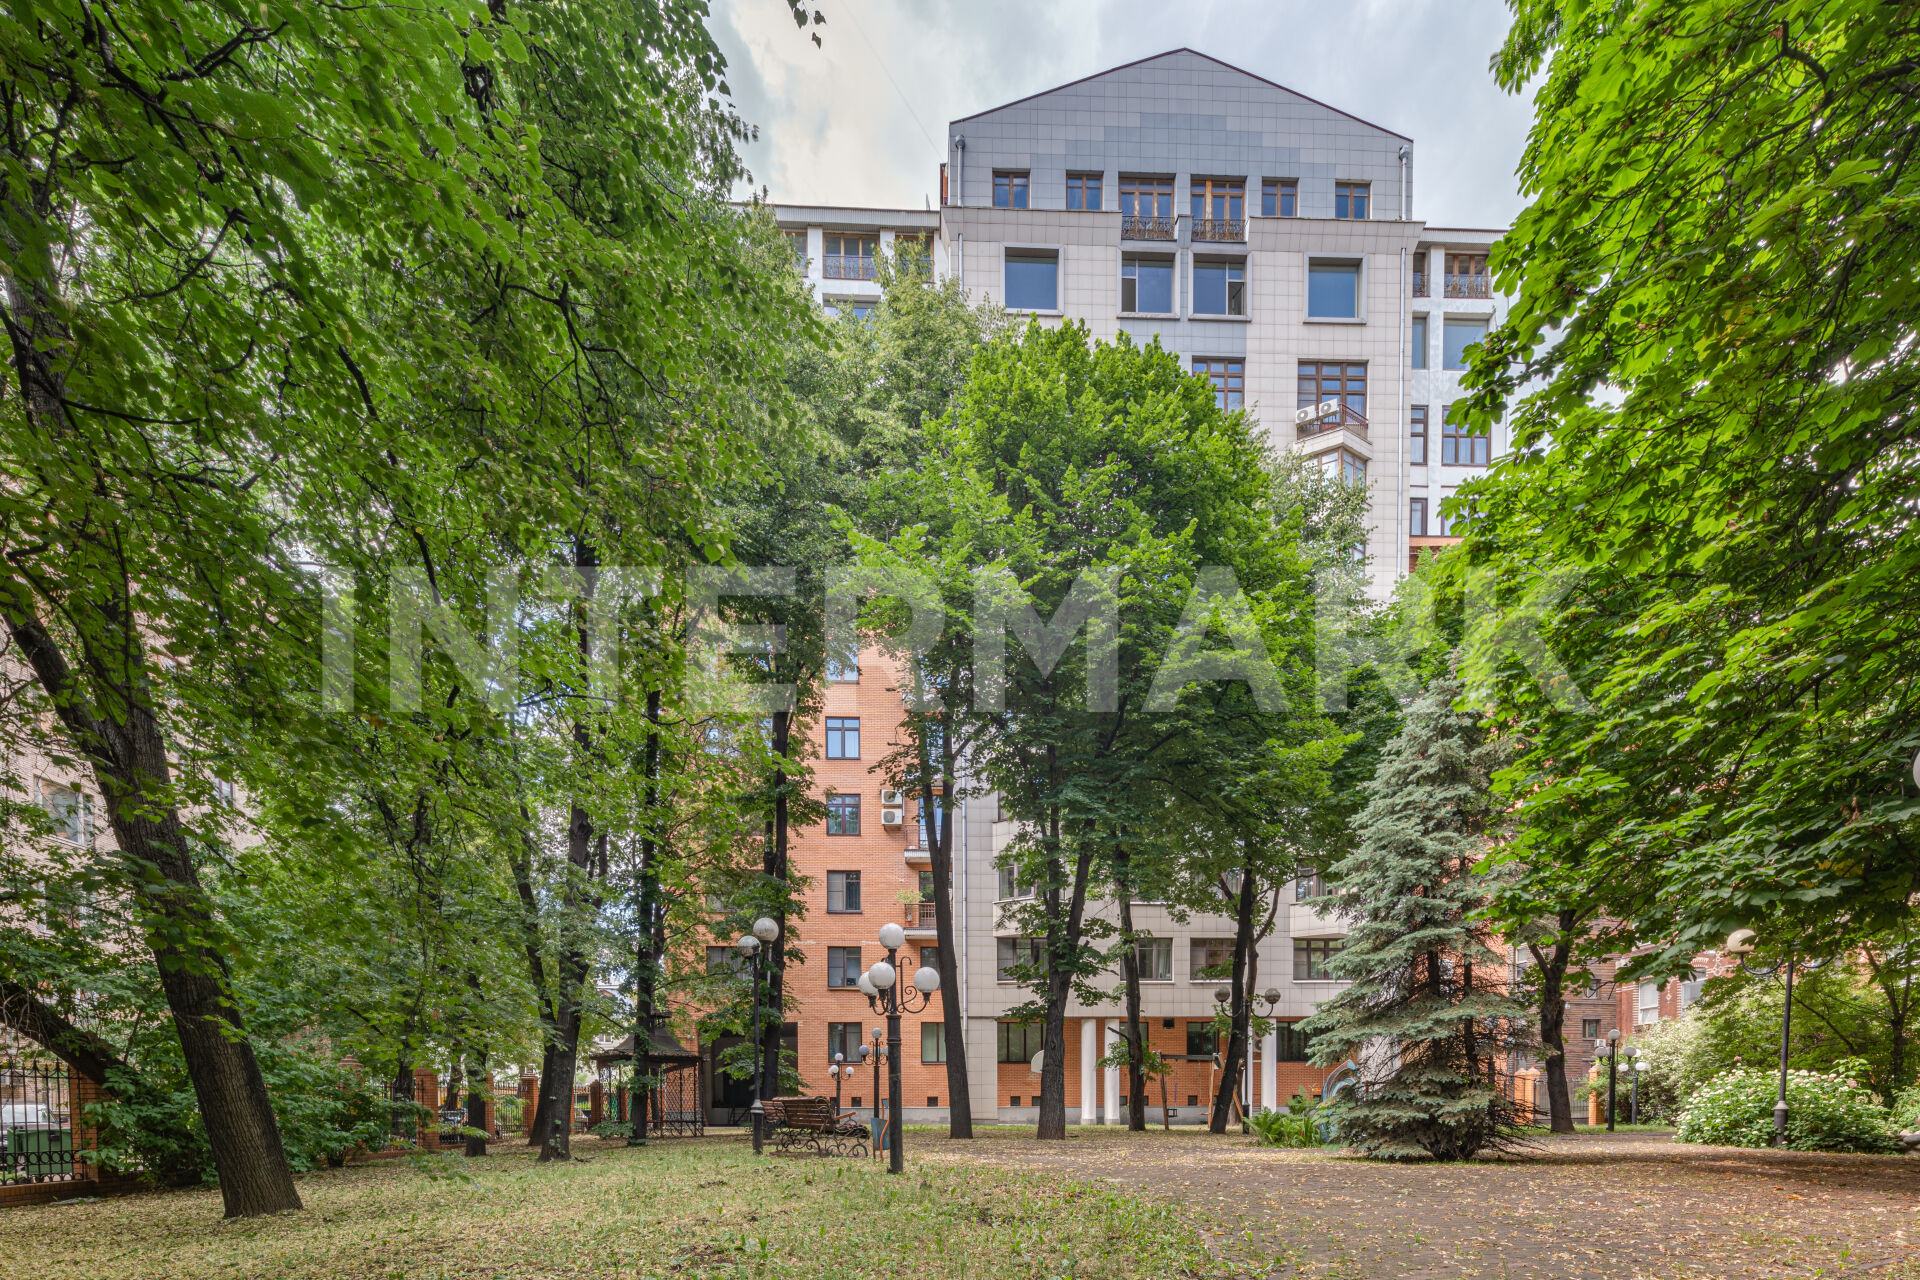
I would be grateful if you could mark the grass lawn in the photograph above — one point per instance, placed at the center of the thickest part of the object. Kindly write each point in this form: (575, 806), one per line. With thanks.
(681, 1208)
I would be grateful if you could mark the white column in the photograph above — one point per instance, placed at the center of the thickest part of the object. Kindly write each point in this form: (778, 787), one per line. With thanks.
(1089, 1053)
(1269, 1073)
(1113, 1078)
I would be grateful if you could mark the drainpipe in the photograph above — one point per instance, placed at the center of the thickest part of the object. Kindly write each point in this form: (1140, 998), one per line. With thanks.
(960, 168)
(1406, 183)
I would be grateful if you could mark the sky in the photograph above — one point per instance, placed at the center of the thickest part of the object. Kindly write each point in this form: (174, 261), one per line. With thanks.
(862, 119)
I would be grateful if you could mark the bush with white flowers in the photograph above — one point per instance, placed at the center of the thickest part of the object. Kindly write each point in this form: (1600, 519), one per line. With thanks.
(1825, 1112)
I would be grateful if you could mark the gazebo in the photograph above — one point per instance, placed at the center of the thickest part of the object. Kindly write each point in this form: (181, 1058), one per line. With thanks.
(673, 1104)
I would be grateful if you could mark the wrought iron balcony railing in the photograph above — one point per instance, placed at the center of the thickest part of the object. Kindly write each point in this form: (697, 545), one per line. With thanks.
(1467, 286)
(1419, 284)
(1134, 227)
(1220, 230)
(847, 266)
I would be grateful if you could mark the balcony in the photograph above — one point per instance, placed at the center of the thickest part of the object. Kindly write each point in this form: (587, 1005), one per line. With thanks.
(1220, 230)
(1420, 284)
(1466, 286)
(847, 266)
(1345, 419)
(1133, 227)
(919, 920)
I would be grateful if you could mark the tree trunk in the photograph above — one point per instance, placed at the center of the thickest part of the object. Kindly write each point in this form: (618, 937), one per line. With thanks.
(646, 958)
(1553, 1021)
(128, 754)
(940, 853)
(1063, 947)
(773, 1017)
(1237, 1042)
(1130, 976)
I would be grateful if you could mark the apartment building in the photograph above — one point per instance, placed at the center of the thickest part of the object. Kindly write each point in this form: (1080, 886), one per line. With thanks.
(1269, 241)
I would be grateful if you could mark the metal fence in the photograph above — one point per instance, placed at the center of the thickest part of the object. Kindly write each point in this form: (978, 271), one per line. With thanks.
(36, 1121)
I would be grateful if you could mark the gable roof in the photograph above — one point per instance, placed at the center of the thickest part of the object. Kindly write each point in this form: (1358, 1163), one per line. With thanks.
(1196, 53)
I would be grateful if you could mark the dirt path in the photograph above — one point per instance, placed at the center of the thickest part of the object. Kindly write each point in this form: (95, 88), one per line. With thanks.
(1625, 1207)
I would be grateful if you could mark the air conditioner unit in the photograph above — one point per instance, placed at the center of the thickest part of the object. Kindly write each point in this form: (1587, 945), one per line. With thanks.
(892, 817)
(890, 797)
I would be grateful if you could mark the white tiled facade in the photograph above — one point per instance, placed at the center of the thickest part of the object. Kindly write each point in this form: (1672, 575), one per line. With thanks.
(1173, 118)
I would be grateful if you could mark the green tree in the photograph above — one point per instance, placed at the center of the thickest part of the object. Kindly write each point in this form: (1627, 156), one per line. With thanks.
(1427, 1012)
(1719, 240)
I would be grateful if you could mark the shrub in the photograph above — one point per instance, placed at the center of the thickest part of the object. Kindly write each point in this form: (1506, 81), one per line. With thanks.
(1825, 1112)
(1297, 1126)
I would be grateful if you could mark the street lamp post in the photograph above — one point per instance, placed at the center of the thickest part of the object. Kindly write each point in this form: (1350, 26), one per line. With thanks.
(838, 1072)
(1635, 1065)
(1610, 1050)
(881, 986)
(765, 930)
(1740, 943)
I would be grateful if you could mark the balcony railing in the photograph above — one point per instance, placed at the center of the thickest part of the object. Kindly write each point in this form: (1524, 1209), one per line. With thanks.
(1220, 230)
(1141, 228)
(1346, 419)
(847, 266)
(1419, 284)
(1465, 286)
(919, 915)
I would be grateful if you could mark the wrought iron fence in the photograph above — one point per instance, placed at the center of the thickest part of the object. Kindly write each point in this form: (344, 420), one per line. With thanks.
(1220, 230)
(1462, 285)
(1135, 227)
(36, 1122)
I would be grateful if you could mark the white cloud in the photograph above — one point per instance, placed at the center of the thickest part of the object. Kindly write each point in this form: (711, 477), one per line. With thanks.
(861, 120)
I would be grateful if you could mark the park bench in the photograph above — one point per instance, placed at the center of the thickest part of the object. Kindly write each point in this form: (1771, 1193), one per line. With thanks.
(809, 1126)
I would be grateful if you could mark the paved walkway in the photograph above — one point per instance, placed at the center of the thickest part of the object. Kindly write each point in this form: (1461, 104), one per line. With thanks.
(1618, 1207)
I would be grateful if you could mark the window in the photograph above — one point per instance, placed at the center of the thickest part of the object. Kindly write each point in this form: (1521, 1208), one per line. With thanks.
(938, 823)
(933, 1044)
(1589, 1028)
(843, 737)
(1221, 199)
(1009, 952)
(1459, 449)
(1146, 197)
(1083, 193)
(1279, 198)
(1010, 886)
(222, 791)
(71, 811)
(1350, 199)
(913, 253)
(1313, 959)
(858, 308)
(1417, 435)
(1327, 380)
(843, 966)
(1306, 888)
(930, 958)
(1229, 379)
(926, 886)
(843, 815)
(797, 245)
(1649, 1004)
(1009, 189)
(1457, 336)
(1201, 1038)
(843, 892)
(1212, 959)
(843, 1042)
(844, 669)
(1467, 276)
(1019, 1041)
(1417, 517)
(1419, 342)
(1153, 957)
(849, 257)
(1033, 280)
(1290, 1045)
(1333, 290)
(1146, 284)
(725, 960)
(1346, 464)
(1219, 287)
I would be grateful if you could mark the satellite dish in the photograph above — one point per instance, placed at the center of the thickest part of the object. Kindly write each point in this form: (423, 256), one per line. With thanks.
(1916, 768)
(1038, 1058)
